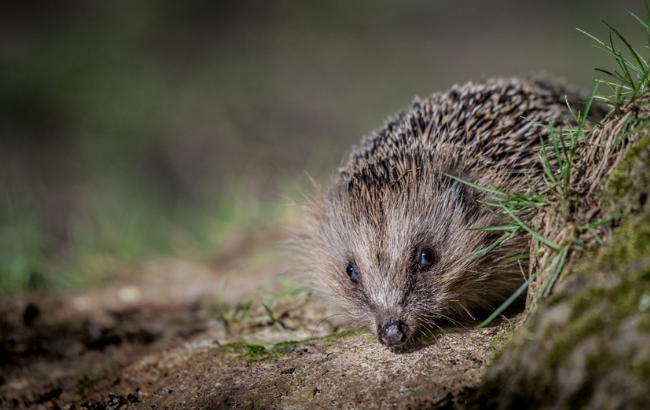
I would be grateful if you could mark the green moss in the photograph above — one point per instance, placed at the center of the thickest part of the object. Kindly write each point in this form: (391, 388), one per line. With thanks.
(628, 181)
(583, 301)
(245, 350)
(83, 386)
(268, 352)
(621, 291)
(642, 369)
(626, 188)
(610, 288)
(346, 334)
(498, 343)
(619, 183)
(597, 311)
(631, 242)
(86, 382)
(501, 340)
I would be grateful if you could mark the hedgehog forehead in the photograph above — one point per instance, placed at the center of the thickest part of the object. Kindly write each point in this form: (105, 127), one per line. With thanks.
(368, 223)
(383, 225)
(391, 222)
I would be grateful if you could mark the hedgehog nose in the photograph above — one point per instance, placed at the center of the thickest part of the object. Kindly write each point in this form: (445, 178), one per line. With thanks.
(391, 332)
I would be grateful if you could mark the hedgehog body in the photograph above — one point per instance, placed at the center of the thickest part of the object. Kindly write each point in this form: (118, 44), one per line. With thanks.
(390, 240)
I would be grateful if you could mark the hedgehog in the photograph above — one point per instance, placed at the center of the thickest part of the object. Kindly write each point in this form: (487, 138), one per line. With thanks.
(391, 240)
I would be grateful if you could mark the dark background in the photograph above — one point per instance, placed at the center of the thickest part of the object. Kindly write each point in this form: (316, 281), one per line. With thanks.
(138, 128)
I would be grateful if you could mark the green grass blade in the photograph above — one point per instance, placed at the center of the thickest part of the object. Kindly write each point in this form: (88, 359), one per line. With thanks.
(595, 234)
(555, 272)
(622, 62)
(590, 36)
(601, 222)
(512, 298)
(532, 232)
(494, 191)
(582, 123)
(631, 49)
(609, 73)
(495, 228)
(496, 243)
(514, 258)
(577, 240)
(493, 212)
(643, 23)
(647, 16)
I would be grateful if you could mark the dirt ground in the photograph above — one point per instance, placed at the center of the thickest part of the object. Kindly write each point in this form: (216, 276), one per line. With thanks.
(243, 330)
(235, 333)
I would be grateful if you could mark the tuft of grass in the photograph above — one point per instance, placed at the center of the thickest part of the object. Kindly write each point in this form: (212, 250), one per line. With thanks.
(630, 80)
(559, 154)
(266, 308)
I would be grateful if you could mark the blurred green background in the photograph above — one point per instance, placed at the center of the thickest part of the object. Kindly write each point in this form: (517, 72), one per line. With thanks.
(130, 129)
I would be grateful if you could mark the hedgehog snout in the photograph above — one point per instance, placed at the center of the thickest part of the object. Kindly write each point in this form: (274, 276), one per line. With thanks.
(392, 332)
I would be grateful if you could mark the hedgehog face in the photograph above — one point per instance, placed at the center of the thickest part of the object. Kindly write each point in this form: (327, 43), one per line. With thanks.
(398, 259)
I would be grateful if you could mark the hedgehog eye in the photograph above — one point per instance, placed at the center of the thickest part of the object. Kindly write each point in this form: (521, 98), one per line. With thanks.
(352, 273)
(425, 258)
